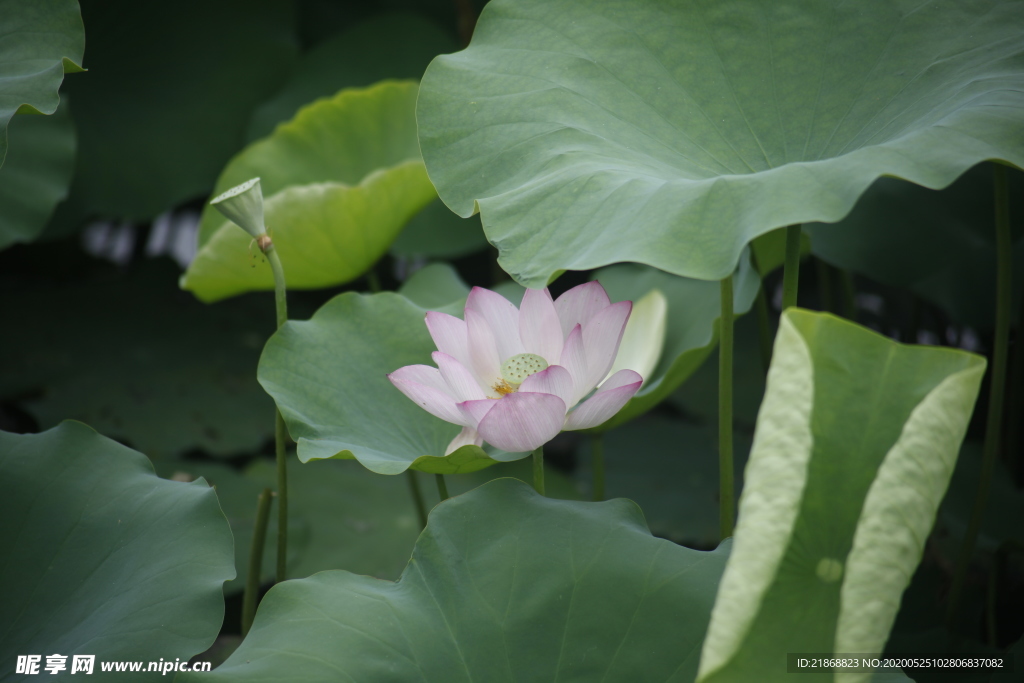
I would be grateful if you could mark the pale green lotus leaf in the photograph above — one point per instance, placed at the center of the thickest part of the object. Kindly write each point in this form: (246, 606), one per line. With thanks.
(325, 234)
(854, 448)
(340, 139)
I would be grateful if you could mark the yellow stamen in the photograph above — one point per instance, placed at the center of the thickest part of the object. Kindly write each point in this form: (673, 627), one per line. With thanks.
(503, 387)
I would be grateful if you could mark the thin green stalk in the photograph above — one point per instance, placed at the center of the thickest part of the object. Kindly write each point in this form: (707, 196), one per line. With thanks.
(827, 296)
(764, 317)
(280, 434)
(597, 464)
(993, 425)
(1016, 399)
(725, 465)
(442, 488)
(849, 295)
(417, 497)
(280, 291)
(791, 274)
(280, 431)
(252, 579)
(538, 470)
(764, 328)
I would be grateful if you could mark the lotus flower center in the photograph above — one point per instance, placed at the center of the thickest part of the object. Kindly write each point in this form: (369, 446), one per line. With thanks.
(519, 367)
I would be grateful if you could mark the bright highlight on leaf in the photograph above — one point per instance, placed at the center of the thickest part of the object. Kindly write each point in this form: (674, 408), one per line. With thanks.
(513, 377)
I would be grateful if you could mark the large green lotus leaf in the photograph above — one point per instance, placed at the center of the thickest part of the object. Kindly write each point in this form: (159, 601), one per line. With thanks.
(504, 585)
(855, 444)
(342, 139)
(131, 354)
(673, 133)
(387, 45)
(103, 557)
(939, 243)
(691, 331)
(43, 40)
(673, 477)
(159, 115)
(328, 377)
(325, 234)
(36, 174)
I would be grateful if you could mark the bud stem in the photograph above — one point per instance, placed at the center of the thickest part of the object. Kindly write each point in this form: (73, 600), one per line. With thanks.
(280, 429)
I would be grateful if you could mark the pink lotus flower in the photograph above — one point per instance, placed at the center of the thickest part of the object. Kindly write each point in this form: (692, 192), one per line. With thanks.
(512, 377)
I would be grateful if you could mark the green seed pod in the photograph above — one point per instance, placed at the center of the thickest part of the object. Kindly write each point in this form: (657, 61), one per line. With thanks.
(243, 205)
(518, 368)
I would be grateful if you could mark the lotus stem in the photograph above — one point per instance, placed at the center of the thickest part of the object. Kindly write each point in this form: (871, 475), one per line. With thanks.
(764, 328)
(997, 390)
(725, 464)
(538, 470)
(764, 322)
(280, 430)
(243, 206)
(417, 497)
(791, 273)
(597, 465)
(252, 579)
(849, 295)
(442, 488)
(1016, 399)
